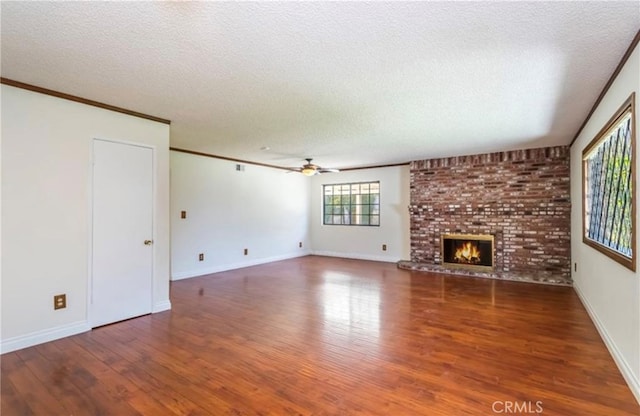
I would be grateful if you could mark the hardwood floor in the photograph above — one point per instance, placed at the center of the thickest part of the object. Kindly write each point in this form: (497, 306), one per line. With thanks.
(327, 336)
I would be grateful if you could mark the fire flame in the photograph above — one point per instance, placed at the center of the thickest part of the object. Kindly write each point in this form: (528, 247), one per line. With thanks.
(467, 253)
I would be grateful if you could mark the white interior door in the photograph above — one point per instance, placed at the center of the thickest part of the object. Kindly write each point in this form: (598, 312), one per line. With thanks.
(122, 260)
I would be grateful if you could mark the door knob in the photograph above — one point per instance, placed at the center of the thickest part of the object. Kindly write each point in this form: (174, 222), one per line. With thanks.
(148, 242)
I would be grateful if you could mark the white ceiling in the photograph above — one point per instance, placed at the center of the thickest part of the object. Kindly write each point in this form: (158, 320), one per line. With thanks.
(347, 83)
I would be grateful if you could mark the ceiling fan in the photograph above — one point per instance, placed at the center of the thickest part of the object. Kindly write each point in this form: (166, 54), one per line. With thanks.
(309, 169)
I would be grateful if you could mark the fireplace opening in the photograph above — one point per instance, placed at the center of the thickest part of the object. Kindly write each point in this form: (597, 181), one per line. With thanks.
(467, 251)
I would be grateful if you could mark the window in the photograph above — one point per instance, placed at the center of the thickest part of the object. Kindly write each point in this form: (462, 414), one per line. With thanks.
(608, 169)
(352, 204)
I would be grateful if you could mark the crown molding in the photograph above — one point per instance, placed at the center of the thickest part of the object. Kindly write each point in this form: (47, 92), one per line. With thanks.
(623, 61)
(34, 88)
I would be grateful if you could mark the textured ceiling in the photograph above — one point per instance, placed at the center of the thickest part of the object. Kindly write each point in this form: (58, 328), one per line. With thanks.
(349, 84)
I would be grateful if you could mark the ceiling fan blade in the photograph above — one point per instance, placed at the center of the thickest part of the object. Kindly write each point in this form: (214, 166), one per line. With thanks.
(309, 169)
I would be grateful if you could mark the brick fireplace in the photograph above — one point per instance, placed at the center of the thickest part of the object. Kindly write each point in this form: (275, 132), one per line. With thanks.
(518, 198)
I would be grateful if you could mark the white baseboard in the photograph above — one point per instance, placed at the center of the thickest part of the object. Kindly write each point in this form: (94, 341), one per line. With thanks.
(40, 337)
(233, 266)
(357, 256)
(618, 358)
(162, 306)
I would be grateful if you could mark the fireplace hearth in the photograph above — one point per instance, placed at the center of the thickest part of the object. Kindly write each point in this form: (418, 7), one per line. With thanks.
(468, 251)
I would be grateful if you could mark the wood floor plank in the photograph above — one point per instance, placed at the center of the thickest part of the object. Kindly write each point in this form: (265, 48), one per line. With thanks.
(327, 336)
(138, 368)
(32, 393)
(11, 399)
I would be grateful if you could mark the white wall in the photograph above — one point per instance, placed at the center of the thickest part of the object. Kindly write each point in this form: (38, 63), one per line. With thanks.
(609, 291)
(46, 168)
(262, 209)
(365, 242)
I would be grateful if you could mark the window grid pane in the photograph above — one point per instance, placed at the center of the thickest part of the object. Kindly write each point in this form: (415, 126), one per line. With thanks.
(608, 190)
(352, 204)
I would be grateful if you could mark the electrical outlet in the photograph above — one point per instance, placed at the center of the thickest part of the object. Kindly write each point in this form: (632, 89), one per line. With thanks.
(384, 247)
(246, 251)
(300, 244)
(60, 301)
(575, 267)
(183, 214)
(201, 257)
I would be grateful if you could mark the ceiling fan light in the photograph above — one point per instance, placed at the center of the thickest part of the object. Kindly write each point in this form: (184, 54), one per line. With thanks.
(308, 171)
